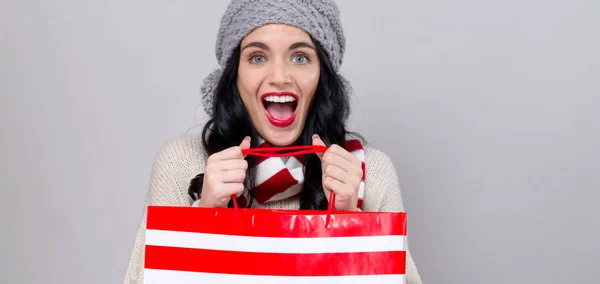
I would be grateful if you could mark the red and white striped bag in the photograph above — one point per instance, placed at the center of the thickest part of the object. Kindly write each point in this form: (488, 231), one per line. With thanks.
(186, 245)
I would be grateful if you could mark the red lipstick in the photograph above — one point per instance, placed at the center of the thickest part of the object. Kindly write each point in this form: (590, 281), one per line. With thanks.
(280, 122)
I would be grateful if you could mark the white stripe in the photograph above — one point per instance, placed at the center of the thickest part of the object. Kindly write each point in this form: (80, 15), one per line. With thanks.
(275, 245)
(297, 173)
(361, 190)
(268, 168)
(291, 191)
(155, 276)
(360, 154)
(293, 163)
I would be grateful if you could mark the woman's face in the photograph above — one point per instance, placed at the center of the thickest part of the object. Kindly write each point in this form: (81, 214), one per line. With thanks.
(277, 79)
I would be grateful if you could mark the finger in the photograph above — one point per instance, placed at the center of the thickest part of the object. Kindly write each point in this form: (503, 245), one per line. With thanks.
(343, 153)
(234, 152)
(245, 144)
(353, 171)
(337, 173)
(333, 159)
(232, 176)
(226, 191)
(227, 165)
(229, 189)
(336, 186)
(318, 142)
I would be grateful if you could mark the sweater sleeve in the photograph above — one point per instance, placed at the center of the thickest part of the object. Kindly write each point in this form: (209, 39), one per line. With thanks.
(163, 190)
(391, 199)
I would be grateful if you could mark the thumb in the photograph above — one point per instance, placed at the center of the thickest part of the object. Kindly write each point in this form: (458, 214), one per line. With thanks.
(245, 144)
(318, 142)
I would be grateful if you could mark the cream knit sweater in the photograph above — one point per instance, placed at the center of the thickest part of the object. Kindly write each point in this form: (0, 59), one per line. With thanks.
(181, 159)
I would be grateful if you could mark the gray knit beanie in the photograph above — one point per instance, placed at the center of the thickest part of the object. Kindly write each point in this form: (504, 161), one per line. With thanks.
(319, 18)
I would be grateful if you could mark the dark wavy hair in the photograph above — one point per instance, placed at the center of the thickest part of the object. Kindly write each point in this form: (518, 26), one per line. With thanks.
(231, 122)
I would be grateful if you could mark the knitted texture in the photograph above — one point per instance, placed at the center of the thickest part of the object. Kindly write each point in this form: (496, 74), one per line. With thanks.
(319, 18)
(183, 158)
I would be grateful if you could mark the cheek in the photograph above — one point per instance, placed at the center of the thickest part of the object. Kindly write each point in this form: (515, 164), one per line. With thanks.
(314, 76)
(248, 84)
(308, 83)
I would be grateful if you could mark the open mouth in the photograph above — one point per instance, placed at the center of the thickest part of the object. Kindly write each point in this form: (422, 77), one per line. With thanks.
(280, 108)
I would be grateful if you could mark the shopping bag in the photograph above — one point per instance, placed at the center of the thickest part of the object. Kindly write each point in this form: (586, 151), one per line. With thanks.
(187, 245)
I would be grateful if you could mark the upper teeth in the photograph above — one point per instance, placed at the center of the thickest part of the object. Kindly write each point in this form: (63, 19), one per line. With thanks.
(279, 99)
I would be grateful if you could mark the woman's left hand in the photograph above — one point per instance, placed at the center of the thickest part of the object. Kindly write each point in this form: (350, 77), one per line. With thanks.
(342, 174)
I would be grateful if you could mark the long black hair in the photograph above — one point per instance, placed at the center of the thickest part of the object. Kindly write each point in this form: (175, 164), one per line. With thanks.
(231, 123)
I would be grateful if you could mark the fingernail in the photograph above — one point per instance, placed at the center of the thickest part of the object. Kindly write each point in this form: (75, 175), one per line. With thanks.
(247, 138)
(315, 136)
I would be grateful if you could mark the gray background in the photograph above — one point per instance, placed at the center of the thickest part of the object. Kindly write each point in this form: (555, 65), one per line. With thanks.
(489, 111)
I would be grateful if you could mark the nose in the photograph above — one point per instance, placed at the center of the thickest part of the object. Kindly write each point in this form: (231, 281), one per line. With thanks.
(279, 75)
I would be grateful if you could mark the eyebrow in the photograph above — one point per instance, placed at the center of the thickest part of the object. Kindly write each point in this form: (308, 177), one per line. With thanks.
(266, 47)
(256, 44)
(301, 44)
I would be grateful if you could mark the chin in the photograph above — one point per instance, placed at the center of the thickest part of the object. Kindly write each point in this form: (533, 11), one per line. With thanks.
(282, 136)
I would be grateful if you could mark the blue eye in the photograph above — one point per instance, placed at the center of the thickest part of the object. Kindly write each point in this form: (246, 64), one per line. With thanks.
(300, 58)
(257, 58)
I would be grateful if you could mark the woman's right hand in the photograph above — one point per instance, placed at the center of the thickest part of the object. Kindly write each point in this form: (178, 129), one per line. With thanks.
(224, 176)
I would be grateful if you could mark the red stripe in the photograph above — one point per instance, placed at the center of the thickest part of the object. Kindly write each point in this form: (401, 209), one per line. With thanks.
(242, 201)
(260, 159)
(353, 145)
(359, 203)
(252, 263)
(275, 223)
(364, 169)
(277, 183)
(301, 159)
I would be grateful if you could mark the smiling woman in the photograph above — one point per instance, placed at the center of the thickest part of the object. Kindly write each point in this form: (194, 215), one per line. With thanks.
(278, 85)
(277, 79)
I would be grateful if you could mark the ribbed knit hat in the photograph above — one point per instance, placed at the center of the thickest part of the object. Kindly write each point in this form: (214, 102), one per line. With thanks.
(319, 18)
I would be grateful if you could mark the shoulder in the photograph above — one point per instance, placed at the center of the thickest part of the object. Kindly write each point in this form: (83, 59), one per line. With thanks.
(382, 187)
(378, 162)
(177, 162)
(181, 150)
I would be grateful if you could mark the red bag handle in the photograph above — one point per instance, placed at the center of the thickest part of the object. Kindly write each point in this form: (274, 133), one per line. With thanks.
(289, 151)
(286, 152)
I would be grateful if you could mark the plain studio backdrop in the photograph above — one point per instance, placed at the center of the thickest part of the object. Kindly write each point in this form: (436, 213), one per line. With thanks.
(489, 110)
